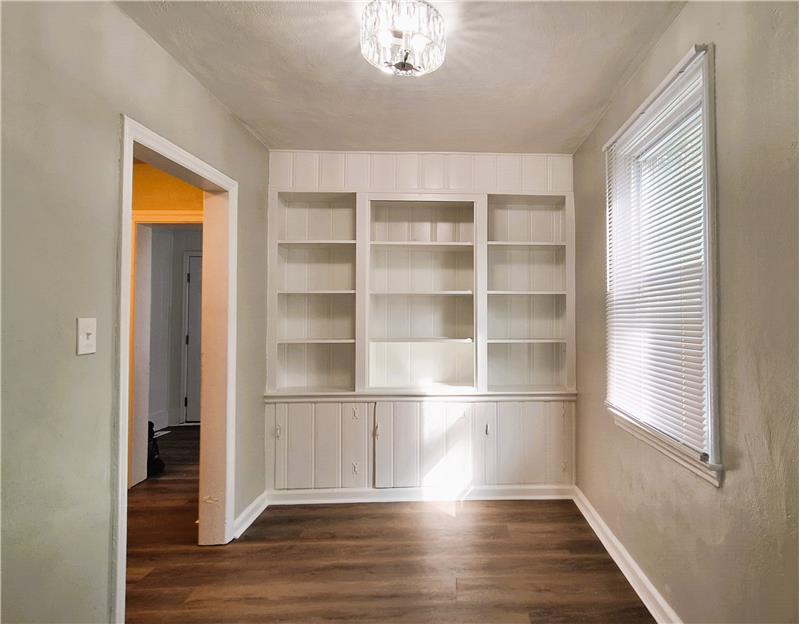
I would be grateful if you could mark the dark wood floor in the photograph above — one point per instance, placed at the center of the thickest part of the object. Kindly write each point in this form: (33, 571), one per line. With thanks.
(481, 562)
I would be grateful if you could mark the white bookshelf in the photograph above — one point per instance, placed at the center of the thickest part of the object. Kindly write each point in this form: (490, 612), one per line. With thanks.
(527, 296)
(313, 273)
(420, 293)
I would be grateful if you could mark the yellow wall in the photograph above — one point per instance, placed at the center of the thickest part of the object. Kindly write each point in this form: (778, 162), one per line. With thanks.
(154, 190)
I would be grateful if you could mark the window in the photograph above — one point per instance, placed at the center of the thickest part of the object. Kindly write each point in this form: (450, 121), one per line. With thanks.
(660, 280)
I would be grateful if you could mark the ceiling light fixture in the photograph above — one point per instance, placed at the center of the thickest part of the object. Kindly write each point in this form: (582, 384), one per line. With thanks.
(403, 37)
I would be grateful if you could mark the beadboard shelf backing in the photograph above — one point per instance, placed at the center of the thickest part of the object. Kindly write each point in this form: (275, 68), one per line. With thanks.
(422, 221)
(319, 366)
(421, 364)
(408, 274)
(532, 366)
(316, 316)
(422, 246)
(526, 218)
(317, 216)
(421, 270)
(527, 317)
(421, 317)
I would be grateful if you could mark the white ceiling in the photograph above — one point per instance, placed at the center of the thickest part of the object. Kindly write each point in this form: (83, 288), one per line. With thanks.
(518, 76)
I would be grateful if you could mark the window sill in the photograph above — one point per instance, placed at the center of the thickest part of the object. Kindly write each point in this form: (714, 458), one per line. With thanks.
(668, 448)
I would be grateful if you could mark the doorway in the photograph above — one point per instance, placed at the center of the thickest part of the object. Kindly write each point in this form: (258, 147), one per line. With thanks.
(217, 319)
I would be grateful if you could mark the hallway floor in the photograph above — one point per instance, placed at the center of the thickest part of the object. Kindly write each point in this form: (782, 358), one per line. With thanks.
(481, 562)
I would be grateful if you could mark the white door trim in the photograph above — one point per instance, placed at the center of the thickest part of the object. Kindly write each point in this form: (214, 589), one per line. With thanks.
(221, 516)
(191, 253)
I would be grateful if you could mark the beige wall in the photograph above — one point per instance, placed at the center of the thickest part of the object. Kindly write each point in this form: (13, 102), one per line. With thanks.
(728, 554)
(69, 72)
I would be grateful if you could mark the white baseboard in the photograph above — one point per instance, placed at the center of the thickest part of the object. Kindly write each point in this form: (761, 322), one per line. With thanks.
(659, 608)
(394, 495)
(249, 515)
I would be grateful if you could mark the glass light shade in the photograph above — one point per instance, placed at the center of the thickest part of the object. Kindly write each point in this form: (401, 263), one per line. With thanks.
(403, 37)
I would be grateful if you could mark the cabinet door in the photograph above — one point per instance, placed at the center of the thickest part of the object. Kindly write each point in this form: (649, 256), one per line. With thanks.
(356, 445)
(321, 445)
(423, 444)
(519, 443)
(294, 442)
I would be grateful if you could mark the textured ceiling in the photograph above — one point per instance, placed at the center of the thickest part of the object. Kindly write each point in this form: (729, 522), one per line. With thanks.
(518, 76)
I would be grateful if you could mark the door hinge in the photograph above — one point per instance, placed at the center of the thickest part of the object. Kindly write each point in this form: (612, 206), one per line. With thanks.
(187, 339)
(186, 401)
(188, 277)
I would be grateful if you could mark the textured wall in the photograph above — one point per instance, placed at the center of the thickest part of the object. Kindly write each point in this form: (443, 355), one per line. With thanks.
(728, 554)
(69, 72)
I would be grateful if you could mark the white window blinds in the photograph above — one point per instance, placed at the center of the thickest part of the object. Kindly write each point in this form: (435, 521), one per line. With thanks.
(659, 288)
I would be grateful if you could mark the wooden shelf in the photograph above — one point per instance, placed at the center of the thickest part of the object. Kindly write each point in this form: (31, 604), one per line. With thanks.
(316, 292)
(526, 341)
(457, 245)
(316, 340)
(525, 244)
(527, 292)
(528, 389)
(315, 243)
(434, 339)
(314, 390)
(428, 293)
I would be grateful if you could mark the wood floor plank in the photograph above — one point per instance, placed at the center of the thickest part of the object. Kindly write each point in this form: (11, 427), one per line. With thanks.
(459, 562)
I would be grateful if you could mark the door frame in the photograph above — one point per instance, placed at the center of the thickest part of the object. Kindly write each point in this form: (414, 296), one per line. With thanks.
(217, 449)
(189, 253)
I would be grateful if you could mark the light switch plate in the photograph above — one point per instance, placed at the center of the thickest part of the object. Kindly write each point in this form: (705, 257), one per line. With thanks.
(87, 336)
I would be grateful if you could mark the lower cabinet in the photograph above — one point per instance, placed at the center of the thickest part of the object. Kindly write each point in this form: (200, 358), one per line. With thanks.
(322, 445)
(442, 446)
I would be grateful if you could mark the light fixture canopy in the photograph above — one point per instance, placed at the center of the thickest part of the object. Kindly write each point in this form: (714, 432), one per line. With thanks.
(403, 37)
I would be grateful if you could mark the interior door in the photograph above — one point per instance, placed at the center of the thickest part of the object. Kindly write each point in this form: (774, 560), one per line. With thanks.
(194, 280)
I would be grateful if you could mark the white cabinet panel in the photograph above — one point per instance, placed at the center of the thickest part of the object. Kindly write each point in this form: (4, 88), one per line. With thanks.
(305, 172)
(405, 444)
(560, 173)
(407, 172)
(294, 441)
(423, 444)
(485, 172)
(509, 173)
(459, 172)
(355, 451)
(356, 171)
(322, 445)
(331, 171)
(521, 443)
(534, 173)
(382, 172)
(327, 445)
(433, 171)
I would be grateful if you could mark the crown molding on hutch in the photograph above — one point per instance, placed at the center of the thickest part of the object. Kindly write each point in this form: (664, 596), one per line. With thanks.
(420, 171)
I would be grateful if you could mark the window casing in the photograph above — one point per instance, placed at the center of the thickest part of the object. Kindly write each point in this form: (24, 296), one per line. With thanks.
(660, 293)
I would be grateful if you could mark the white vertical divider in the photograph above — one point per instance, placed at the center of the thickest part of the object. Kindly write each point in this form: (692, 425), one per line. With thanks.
(362, 291)
(569, 260)
(273, 227)
(384, 445)
(480, 296)
(281, 449)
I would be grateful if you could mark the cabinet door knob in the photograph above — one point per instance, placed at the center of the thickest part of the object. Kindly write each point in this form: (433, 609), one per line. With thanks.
(355, 414)
(486, 429)
(278, 432)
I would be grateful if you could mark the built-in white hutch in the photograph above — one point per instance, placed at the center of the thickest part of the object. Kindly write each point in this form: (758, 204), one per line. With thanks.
(421, 334)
